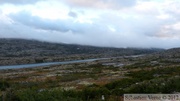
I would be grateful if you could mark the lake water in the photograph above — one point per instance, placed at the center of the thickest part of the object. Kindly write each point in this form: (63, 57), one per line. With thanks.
(47, 64)
(58, 63)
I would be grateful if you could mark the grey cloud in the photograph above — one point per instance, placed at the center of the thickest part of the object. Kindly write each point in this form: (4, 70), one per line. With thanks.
(38, 23)
(14, 31)
(97, 35)
(130, 32)
(109, 4)
(72, 14)
(18, 2)
(52, 25)
(123, 3)
(144, 26)
(139, 31)
(173, 10)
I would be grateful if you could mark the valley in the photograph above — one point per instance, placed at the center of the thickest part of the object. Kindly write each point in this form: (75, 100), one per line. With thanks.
(157, 71)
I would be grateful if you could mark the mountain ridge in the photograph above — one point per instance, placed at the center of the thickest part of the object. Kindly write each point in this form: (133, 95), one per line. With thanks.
(22, 51)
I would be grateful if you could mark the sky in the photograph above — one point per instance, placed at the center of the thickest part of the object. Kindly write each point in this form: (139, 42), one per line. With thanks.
(106, 23)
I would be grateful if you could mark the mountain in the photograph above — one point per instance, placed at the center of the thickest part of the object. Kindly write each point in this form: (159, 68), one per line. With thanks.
(167, 54)
(20, 51)
(170, 57)
(172, 53)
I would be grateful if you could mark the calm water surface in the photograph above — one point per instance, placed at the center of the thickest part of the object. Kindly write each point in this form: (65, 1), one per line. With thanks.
(58, 63)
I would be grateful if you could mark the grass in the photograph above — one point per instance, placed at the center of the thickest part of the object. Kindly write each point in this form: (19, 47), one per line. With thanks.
(141, 77)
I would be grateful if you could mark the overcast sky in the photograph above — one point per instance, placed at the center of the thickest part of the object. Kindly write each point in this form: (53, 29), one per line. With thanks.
(111, 23)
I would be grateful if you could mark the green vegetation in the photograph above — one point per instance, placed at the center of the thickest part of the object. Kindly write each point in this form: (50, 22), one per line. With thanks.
(154, 80)
(155, 73)
(3, 85)
(42, 95)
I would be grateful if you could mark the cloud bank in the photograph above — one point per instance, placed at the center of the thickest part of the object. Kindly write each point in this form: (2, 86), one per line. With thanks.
(111, 23)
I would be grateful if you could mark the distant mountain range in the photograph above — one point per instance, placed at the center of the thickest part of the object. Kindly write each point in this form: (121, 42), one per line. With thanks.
(14, 51)
(164, 58)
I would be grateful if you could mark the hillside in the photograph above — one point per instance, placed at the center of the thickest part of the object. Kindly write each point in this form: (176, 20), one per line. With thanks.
(19, 51)
(168, 56)
(156, 73)
(172, 53)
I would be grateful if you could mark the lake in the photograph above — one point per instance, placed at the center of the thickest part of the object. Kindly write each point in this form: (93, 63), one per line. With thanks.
(59, 63)
(48, 64)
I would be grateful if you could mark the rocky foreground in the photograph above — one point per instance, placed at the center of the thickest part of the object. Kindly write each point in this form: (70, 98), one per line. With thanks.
(157, 73)
(89, 81)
